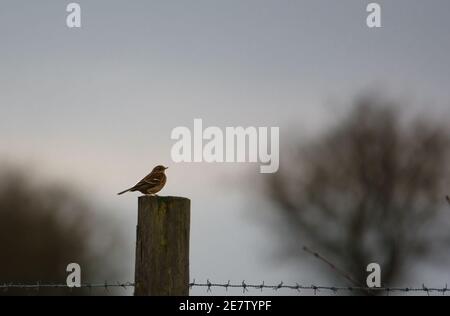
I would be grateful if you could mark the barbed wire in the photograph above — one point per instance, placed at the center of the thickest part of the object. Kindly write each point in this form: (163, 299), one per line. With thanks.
(318, 288)
(245, 287)
(40, 286)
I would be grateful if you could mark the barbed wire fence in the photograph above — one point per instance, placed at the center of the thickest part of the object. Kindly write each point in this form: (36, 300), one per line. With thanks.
(316, 289)
(300, 289)
(245, 287)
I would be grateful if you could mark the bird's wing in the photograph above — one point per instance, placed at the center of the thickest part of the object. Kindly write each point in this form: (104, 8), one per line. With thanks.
(151, 179)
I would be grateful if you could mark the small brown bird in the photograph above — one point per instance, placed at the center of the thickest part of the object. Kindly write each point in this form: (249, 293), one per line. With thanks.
(448, 199)
(152, 183)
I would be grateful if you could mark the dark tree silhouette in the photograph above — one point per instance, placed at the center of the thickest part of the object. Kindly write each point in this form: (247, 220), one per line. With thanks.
(371, 189)
(43, 228)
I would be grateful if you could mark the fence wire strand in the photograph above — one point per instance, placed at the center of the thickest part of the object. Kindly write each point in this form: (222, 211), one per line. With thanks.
(245, 287)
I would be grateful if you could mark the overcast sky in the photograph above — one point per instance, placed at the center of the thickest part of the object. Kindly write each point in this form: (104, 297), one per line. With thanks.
(96, 105)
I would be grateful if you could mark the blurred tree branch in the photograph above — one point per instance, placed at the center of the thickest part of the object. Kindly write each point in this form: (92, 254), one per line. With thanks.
(369, 190)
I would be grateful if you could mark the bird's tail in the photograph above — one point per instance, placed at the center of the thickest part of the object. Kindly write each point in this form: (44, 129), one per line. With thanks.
(124, 191)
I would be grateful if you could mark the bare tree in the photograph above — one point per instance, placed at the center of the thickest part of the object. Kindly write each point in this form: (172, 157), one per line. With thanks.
(43, 228)
(371, 189)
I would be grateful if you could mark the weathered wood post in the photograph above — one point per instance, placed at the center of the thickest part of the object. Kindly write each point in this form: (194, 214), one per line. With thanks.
(162, 246)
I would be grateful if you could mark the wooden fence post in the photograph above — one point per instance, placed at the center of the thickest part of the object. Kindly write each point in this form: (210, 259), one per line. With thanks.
(162, 246)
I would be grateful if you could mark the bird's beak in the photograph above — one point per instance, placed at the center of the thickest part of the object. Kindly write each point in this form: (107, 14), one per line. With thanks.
(166, 168)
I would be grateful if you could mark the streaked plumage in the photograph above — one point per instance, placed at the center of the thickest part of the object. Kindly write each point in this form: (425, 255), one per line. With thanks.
(152, 183)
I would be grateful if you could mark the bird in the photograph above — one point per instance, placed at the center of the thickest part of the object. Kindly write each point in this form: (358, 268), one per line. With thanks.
(448, 199)
(152, 183)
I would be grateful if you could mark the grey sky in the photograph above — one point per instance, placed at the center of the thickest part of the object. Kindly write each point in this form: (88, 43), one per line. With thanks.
(98, 103)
